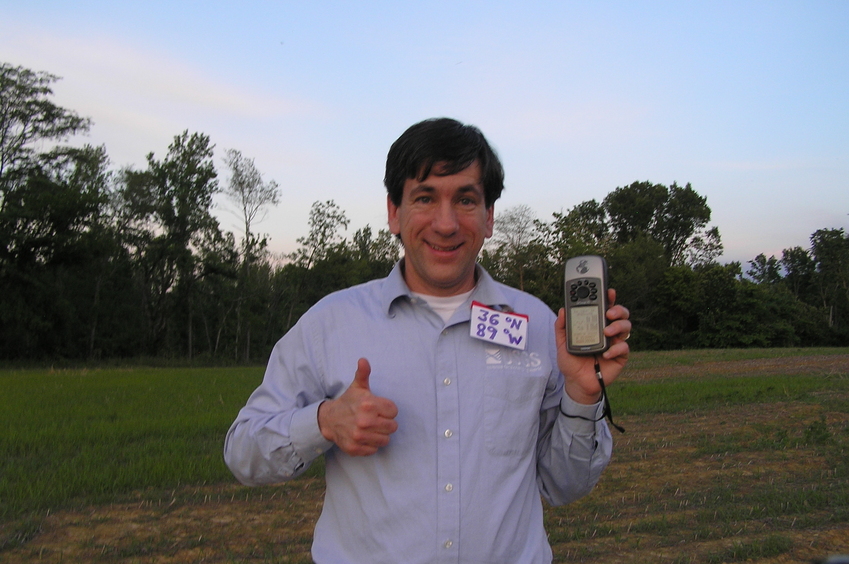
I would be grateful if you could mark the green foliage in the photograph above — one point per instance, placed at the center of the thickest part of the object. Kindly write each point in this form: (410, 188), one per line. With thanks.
(104, 433)
(636, 272)
(676, 395)
(765, 270)
(28, 117)
(773, 545)
(830, 252)
(817, 433)
(671, 216)
(719, 462)
(99, 264)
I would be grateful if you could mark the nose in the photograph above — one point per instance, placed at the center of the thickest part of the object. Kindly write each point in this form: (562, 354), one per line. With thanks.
(445, 220)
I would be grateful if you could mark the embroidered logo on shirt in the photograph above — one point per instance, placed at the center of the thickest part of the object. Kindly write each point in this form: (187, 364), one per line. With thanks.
(493, 356)
(508, 358)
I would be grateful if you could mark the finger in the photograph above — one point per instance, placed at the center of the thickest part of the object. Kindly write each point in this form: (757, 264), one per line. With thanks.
(617, 351)
(383, 426)
(368, 444)
(362, 445)
(361, 376)
(384, 408)
(619, 328)
(372, 431)
(373, 435)
(618, 312)
(611, 297)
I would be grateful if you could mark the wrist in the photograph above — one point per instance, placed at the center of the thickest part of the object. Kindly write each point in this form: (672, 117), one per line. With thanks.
(579, 396)
(323, 419)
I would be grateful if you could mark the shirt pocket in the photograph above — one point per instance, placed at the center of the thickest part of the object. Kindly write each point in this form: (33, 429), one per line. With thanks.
(511, 412)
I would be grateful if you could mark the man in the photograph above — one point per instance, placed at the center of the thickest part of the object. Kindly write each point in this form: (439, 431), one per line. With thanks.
(439, 442)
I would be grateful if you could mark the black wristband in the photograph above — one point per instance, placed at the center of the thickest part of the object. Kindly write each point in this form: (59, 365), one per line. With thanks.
(603, 414)
(606, 412)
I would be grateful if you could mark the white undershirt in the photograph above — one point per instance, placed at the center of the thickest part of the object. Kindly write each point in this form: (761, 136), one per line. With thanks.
(445, 307)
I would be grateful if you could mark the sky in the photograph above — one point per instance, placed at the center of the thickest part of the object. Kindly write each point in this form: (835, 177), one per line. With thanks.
(748, 101)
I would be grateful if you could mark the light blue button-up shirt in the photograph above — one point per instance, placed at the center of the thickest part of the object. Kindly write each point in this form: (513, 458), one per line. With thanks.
(480, 437)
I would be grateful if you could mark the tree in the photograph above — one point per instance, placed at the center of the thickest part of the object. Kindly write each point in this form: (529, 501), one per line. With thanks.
(675, 217)
(56, 244)
(799, 270)
(169, 212)
(514, 231)
(765, 270)
(634, 209)
(58, 253)
(684, 214)
(582, 230)
(251, 194)
(636, 270)
(382, 250)
(62, 195)
(830, 251)
(705, 248)
(326, 220)
(29, 118)
(673, 322)
(719, 320)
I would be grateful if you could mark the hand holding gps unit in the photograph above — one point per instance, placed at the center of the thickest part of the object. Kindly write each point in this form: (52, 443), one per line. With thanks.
(586, 305)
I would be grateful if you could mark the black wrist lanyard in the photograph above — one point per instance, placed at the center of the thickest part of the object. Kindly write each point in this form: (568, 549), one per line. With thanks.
(606, 412)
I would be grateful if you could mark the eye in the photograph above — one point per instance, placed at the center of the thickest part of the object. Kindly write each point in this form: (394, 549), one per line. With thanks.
(424, 199)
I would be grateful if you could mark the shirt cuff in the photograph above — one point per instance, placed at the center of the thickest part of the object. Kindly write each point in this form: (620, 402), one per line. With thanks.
(305, 434)
(583, 416)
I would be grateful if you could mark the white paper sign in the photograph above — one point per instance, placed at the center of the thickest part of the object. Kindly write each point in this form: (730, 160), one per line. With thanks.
(503, 328)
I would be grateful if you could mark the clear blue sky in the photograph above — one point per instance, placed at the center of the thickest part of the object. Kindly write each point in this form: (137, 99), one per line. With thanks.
(748, 101)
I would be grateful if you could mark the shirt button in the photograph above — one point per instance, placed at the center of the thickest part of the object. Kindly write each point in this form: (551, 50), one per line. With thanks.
(448, 544)
(447, 381)
(449, 433)
(449, 487)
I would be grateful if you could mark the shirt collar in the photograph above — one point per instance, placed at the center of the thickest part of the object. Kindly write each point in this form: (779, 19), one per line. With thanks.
(487, 291)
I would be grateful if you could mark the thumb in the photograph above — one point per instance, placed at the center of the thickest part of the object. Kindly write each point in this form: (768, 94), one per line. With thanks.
(362, 374)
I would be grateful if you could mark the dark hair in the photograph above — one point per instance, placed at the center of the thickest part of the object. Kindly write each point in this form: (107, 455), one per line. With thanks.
(445, 142)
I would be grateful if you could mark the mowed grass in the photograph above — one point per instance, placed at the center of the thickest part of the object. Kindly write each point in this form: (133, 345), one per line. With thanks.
(86, 436)
(728, 456)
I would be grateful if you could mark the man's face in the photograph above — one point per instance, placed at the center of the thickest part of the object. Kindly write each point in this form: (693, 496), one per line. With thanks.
(443, 222)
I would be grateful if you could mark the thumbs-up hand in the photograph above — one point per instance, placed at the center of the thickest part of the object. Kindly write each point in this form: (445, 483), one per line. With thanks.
(358, 421)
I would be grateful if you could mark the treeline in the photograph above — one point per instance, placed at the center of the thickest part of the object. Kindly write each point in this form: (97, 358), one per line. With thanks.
(662, 259)
(99, 263)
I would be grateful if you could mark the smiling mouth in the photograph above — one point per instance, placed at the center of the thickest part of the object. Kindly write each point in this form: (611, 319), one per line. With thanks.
(444, 249)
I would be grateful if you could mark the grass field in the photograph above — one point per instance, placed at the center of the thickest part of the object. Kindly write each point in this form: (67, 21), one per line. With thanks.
(729, 456)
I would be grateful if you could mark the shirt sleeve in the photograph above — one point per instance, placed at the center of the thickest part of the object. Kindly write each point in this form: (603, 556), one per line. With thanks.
(572, 452)
(276, 436)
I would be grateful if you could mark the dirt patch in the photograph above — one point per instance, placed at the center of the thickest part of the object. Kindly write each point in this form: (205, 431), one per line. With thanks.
(222, 523)
(712, 489)
(817, 364)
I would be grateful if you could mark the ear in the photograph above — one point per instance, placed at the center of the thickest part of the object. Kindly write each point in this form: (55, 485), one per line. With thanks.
(392, 217)
(490, 220)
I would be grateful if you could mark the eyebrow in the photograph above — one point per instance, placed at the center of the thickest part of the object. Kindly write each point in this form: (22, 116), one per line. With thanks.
(428, 189)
